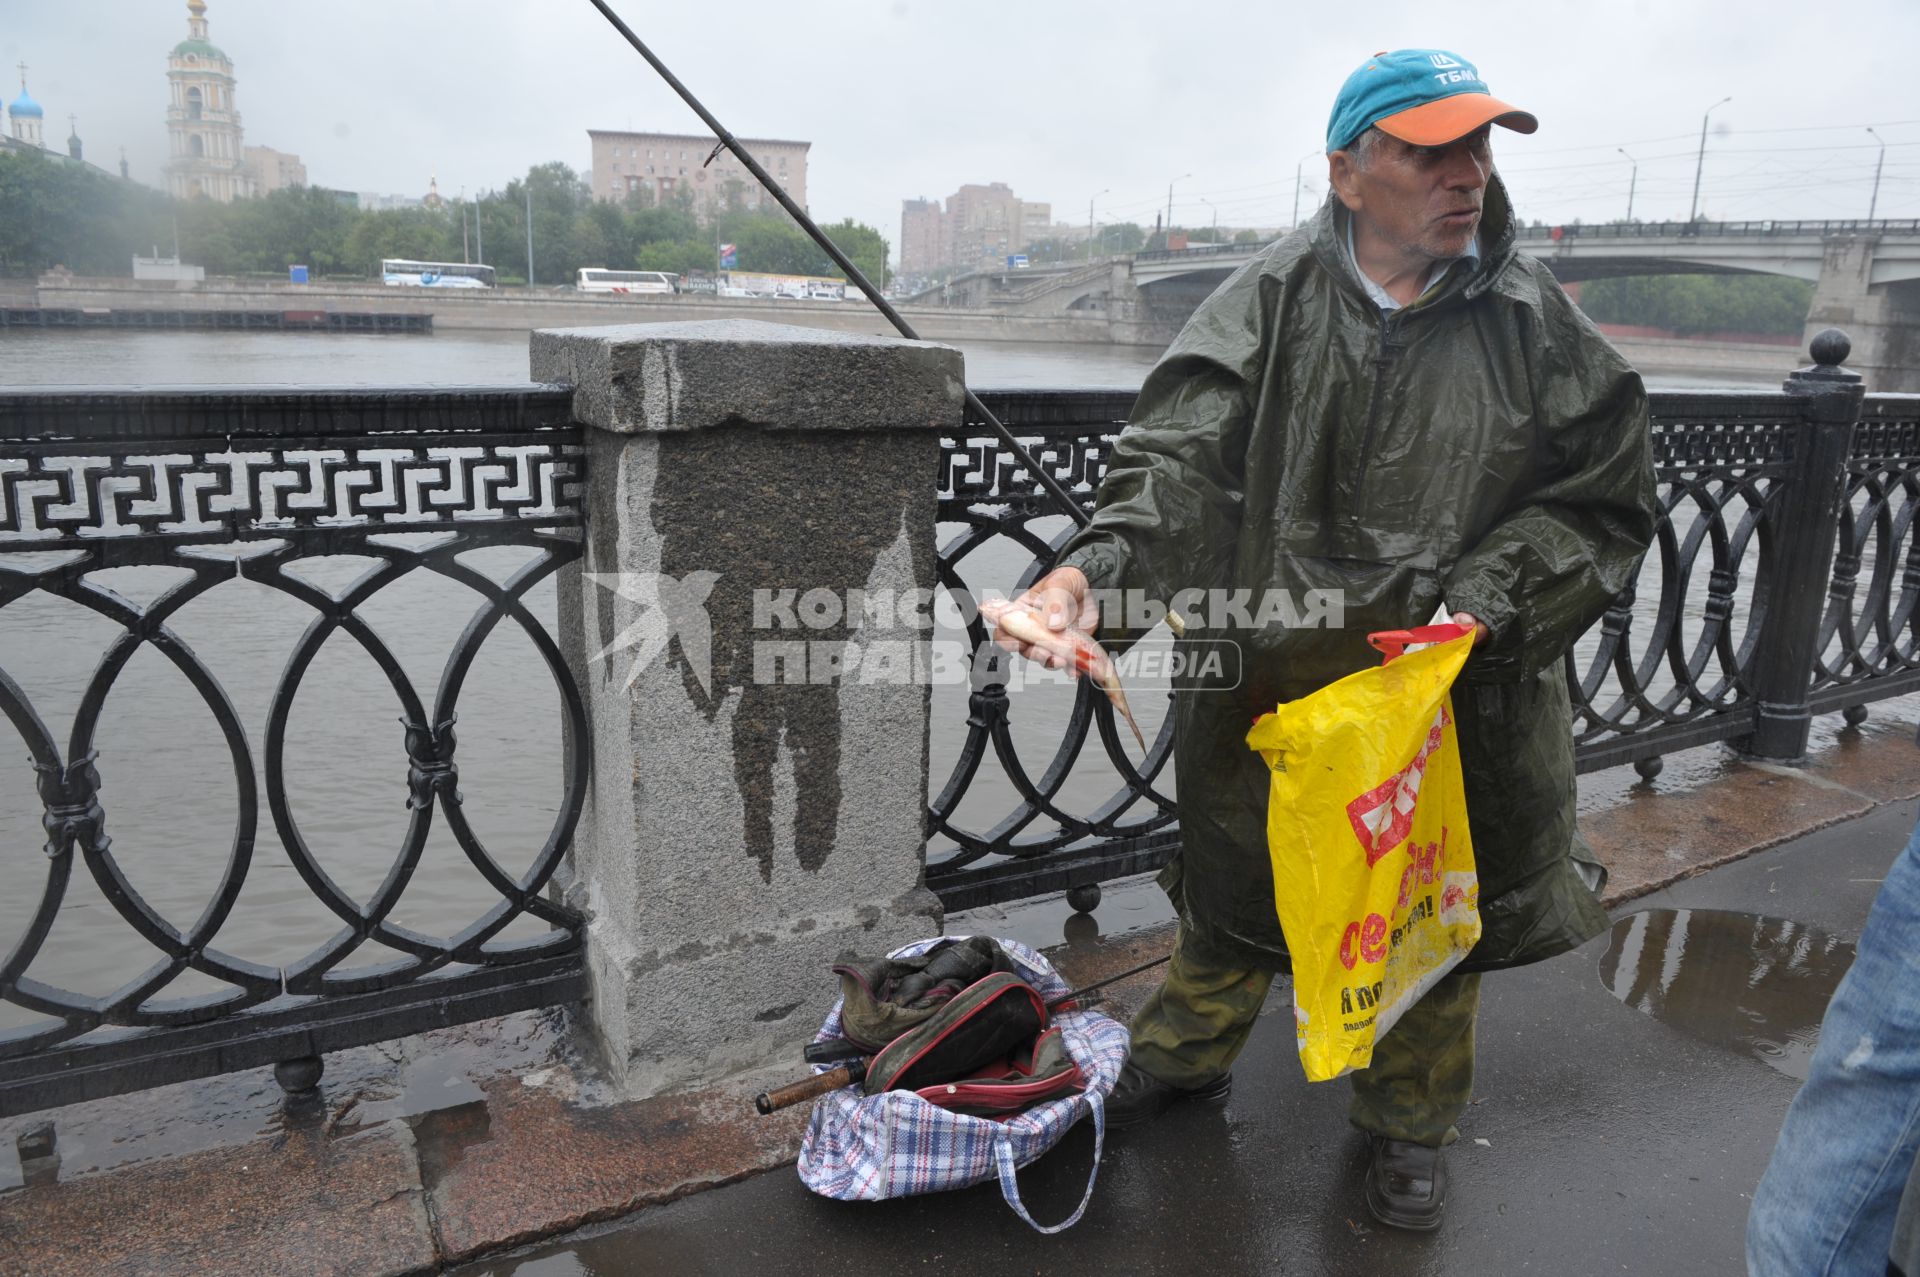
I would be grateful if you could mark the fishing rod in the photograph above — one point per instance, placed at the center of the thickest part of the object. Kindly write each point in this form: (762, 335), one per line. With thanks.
(728, 143)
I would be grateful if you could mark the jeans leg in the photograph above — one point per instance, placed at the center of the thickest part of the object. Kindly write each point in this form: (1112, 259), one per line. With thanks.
(1194, 1025)
(1421, 1077)
(1828, 1200)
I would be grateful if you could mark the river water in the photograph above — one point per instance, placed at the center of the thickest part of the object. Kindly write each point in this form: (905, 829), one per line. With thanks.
(104, 357)
(168, 788)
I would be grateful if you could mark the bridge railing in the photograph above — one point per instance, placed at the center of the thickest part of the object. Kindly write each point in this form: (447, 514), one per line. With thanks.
(1670, 230)
(1199, 251)
(1783, 581)
(141, 509)
(1610, 230)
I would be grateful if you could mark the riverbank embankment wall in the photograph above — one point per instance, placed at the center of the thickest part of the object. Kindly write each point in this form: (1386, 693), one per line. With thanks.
(527, 309)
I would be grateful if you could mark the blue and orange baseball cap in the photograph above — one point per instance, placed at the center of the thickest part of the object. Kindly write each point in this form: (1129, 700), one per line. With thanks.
(1426, 97)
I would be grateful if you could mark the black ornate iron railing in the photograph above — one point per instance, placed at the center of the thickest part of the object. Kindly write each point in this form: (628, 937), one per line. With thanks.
(248, 483)
(1785, 574)
(1867, 647)
(1659, 230)
(1661, 671)
(1042, 844)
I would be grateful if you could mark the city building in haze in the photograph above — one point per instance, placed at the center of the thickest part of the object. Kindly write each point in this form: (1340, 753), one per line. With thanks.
(26, 127)
(206, 155)
(26, 130)
(273, 170)
(926, 241)
(377, 202)
(979, 229)
(656, 167)
(26, 117)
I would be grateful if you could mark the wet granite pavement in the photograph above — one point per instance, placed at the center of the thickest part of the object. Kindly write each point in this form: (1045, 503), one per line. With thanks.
(1612, 1130)
(1599, 1140)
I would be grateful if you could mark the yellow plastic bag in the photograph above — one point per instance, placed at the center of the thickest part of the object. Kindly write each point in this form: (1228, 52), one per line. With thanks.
(1372, 858)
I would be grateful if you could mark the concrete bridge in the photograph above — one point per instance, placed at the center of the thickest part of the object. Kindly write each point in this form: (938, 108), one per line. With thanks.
(1798, 249)
(1866, 278)
(1866, 275)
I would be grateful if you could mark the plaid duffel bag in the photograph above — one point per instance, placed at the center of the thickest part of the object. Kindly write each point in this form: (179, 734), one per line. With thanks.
(862, 1147)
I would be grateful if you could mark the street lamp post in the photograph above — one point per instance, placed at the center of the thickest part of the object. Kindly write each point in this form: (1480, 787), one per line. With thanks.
(1701, 159)
(1874, 203)
(1632, 178)
(1216, 216)
(479, 233)
(529, 231)
(1169, 229)
(1090, 199)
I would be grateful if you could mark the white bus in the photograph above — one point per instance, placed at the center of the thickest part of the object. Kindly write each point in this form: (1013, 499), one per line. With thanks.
(396, 272)
(598, 279)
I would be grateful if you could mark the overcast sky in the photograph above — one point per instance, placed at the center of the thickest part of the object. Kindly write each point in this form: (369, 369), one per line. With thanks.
(1062, 100)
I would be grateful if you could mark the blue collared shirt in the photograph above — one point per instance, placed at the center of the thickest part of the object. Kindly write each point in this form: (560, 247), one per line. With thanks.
(1381, 297)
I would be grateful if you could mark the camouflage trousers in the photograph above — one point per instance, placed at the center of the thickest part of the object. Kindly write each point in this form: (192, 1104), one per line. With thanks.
(1195, 1024)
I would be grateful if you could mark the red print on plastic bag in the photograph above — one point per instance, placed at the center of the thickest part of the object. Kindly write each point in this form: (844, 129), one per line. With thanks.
(1383, 815)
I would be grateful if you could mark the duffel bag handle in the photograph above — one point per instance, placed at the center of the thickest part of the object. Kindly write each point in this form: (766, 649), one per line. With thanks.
(1010, 1186)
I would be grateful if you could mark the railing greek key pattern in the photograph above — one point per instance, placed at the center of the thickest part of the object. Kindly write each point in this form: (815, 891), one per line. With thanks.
(80, 495)
(45, 496)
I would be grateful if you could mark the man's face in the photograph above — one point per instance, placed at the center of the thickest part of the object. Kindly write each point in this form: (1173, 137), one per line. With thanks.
(1424, 201)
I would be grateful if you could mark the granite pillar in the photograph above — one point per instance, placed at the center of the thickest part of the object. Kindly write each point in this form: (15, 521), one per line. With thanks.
(761, 514)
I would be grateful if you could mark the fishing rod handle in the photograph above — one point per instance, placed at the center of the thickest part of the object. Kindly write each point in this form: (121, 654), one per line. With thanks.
(794, 1093)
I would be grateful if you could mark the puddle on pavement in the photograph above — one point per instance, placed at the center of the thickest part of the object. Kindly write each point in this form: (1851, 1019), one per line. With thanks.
(404, 1078)
(1831, 738)
(1126, 904)
(1752, 984)
(441, 1137)
(560, 1264)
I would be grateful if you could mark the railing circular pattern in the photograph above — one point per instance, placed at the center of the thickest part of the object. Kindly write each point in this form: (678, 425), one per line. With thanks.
(987, 497)
(94, 481)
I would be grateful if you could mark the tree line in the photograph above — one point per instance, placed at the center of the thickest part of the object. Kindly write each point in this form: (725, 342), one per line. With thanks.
(1689, 304)
(54, 212)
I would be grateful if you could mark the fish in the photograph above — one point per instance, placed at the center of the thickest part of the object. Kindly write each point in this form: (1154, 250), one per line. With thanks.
(1074, 646)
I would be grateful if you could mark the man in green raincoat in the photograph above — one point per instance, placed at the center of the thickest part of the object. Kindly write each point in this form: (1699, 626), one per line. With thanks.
(1392, 405)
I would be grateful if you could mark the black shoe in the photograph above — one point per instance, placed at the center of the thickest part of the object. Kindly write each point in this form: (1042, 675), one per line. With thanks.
(1406, 1183)
(1138, 1095)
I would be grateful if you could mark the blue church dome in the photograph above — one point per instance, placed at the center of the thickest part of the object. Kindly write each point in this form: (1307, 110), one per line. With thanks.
(24, 105)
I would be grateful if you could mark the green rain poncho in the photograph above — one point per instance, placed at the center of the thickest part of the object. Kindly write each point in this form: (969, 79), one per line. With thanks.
(1484, 446)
